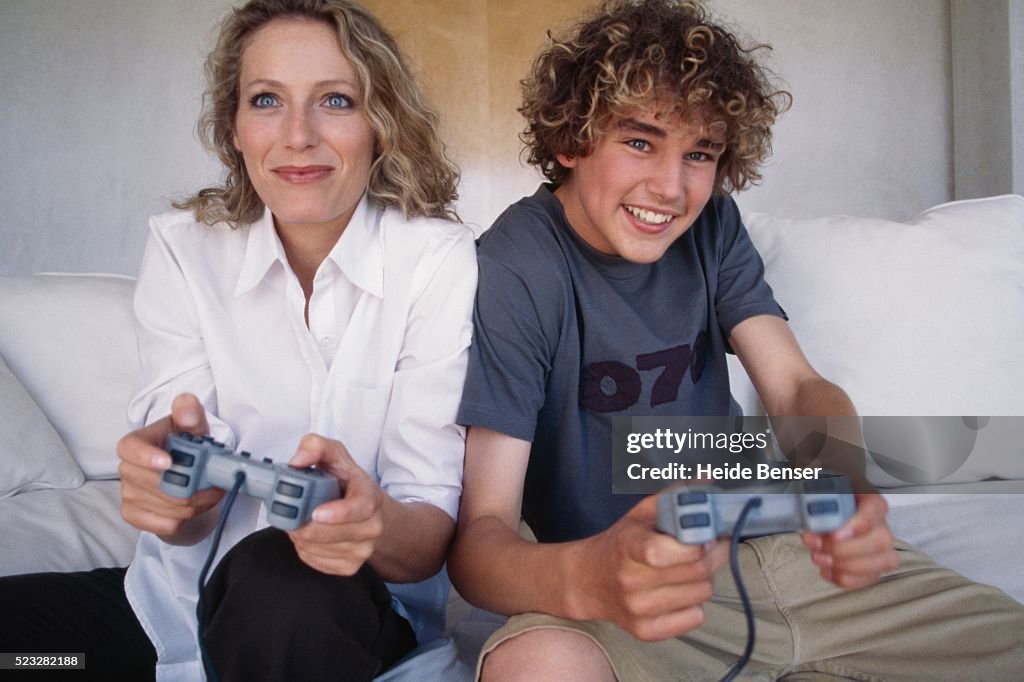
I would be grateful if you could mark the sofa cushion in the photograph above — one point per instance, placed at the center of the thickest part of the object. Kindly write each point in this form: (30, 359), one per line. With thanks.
(917, 319)
(65, 530)
(70, 339)
(32, 455)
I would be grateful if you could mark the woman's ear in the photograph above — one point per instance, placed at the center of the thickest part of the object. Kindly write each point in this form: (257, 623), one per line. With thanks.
(566, 160)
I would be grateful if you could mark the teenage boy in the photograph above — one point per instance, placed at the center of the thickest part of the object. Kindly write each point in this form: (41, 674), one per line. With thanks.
(617, 290)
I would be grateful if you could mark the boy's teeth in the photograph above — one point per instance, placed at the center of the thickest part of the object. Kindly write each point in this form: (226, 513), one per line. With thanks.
(649, 216)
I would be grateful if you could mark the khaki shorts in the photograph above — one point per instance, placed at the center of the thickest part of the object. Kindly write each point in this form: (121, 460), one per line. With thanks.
(921, 622)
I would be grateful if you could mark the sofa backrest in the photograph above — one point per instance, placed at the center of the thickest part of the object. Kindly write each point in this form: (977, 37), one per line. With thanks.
(70, 340)
(917, 319)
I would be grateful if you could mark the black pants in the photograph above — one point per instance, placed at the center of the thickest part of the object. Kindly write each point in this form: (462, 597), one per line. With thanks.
(74, 613)
(269, 617)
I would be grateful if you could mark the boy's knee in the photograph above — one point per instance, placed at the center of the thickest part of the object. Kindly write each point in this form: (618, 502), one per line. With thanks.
(547, 654)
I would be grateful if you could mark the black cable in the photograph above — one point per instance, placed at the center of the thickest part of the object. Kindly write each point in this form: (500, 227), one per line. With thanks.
(211, 673)
(734, 565)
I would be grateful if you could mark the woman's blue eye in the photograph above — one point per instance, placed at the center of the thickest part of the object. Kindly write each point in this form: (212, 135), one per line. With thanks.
(264, 100)
(336, 101)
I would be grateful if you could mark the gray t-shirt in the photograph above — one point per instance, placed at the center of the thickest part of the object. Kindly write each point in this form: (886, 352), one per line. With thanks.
(567, 338)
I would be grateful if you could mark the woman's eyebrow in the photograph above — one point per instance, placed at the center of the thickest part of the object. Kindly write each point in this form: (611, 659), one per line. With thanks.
(270, 82)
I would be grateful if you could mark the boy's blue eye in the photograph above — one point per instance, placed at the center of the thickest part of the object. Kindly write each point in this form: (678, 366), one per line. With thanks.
(337, 101)
(639, 145)
(263, 100)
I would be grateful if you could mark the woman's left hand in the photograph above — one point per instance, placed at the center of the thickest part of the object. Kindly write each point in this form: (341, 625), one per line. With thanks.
(343, 533)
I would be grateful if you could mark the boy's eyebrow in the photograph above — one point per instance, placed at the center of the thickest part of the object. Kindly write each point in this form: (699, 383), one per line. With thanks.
(654, 131)
(641, 127)
(708, 144)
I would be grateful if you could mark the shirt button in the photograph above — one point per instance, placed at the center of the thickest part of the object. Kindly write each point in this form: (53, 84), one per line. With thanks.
(326, 341)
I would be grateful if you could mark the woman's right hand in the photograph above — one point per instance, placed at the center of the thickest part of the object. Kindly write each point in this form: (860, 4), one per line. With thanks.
(143, 461)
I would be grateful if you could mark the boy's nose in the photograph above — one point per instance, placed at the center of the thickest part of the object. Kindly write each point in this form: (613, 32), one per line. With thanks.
(668, 183)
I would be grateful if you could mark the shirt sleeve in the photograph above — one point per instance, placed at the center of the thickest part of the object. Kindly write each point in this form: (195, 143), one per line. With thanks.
(422, 447)
(511, 356)
(172, 353)
(741, 291)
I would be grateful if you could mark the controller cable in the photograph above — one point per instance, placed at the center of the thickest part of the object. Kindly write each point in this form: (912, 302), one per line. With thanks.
(734, 566)
(211, 673)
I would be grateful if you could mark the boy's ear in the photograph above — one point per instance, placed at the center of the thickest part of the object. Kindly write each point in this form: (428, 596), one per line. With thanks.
(567, 161)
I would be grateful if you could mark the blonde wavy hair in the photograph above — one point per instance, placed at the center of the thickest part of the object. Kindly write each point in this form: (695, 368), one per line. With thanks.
(411, 170)
(642, 53)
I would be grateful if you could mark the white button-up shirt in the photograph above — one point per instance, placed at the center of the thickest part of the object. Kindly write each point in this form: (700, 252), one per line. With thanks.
(380, 367)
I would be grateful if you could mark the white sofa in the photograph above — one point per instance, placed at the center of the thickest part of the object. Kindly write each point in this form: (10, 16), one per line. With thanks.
(920, 318)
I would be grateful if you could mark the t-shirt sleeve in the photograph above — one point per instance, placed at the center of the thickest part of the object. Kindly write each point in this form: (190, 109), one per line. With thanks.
(741, 290)
(510, 357)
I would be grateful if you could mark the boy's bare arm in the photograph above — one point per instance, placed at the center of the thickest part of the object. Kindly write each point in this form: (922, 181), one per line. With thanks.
(647, 582)
(860, 552)
(800, 400)
(782, 375)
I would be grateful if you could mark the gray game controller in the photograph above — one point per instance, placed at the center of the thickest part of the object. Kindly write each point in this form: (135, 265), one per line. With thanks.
(289, 493)
(695, 515)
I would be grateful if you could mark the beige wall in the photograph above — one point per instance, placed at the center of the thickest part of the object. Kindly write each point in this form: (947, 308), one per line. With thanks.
(470, 55)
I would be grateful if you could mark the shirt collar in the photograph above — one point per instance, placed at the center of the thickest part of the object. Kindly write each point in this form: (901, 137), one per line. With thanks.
(358, 253)
(262, 250)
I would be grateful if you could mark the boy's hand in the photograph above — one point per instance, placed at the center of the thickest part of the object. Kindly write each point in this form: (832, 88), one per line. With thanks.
(343, 533)
(143, 461)
(861, 551)
(647, 582)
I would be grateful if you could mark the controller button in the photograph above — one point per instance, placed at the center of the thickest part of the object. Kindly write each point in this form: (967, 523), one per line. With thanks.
(691, 498)
(289, 489)
(267, 460)
(694, 520)
(245, 454)
(822, 507)
(182, 458)
(175, 478)
(285, 510)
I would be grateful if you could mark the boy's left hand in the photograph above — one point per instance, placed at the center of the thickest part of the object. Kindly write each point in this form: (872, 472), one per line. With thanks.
(343, 533)
(861, 551)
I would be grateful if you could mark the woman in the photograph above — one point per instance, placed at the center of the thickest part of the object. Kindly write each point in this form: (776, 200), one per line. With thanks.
(320, 289)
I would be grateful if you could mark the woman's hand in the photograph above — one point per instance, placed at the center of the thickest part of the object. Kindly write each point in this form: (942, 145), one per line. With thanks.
(343, 533)
(403, 541)
(143, 461)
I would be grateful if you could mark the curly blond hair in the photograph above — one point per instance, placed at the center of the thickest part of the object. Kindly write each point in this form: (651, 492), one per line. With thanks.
(411, 170)
(633, 54)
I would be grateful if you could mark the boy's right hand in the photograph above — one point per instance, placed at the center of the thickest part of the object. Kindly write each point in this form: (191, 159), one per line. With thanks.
(646, 582)
(143, 461)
